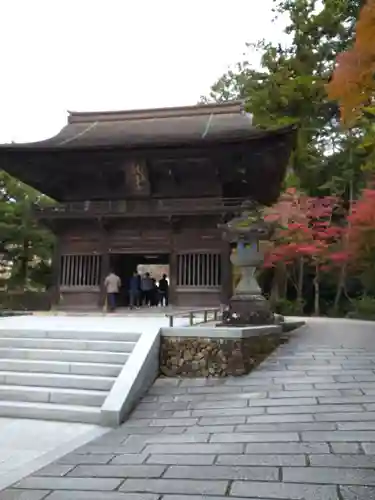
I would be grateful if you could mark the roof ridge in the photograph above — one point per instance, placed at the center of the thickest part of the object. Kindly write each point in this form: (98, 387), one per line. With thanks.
(230, 107)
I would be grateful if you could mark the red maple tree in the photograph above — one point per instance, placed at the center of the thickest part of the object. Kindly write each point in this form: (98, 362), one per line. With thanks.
(305, 236)
(362, 237)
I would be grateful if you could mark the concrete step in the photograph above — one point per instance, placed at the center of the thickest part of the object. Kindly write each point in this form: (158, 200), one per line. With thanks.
(50, 411)
(71, 334)
(57, 380)
(71, 355)
(52, 395)
(67, 344)
(36, 366)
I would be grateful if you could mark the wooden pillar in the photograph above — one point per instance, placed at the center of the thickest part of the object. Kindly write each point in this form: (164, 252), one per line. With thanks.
(172, 277)
(226, 274)
(105, 262)
(174, 228)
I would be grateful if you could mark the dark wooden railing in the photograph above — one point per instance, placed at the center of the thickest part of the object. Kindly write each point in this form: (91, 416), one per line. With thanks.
(209, 314)
(134, 208)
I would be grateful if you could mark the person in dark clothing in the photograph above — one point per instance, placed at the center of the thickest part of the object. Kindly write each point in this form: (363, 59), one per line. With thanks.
(154, 300)
(164, 290)
(134, 290)
(147, 286)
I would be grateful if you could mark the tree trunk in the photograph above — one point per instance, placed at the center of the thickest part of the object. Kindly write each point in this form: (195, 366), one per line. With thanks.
(316, 292)
(342, 275)
(24, 264)
(278, 288)
(300, 284)
(274, 295)
(339, 289)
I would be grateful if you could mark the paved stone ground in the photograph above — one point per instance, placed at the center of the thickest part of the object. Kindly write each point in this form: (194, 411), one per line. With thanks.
(300, 427)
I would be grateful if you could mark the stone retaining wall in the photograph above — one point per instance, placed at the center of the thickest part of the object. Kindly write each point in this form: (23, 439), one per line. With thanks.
(214, 357)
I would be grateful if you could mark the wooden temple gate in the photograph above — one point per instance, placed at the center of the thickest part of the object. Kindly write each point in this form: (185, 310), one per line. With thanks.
(150, 184)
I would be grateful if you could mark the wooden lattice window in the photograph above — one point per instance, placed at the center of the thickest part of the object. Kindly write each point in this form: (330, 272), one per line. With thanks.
(80, 271)
(199, 270)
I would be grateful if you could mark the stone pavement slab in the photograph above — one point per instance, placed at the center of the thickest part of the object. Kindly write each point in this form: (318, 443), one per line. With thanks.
(22, 453)
(300, 427)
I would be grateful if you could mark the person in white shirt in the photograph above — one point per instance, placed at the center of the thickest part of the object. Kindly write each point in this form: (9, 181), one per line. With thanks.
(112, 285)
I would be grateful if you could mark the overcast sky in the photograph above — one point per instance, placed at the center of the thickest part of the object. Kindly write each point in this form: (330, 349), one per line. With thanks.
(81, 55)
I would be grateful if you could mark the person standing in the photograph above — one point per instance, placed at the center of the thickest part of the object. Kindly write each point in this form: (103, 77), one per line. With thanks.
(154, 300)
(164, 290)
(112, 285)
(134, 290)
(146, 288)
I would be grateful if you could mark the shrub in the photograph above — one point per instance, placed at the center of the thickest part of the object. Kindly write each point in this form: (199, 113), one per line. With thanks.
(363, 308)
(289, 307)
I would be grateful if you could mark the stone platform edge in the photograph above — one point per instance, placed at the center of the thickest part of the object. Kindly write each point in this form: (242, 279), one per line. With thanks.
(137, 375)
(221, 332)
(143, 365)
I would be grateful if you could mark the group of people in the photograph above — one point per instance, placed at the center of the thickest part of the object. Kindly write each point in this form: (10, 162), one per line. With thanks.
(143, 290)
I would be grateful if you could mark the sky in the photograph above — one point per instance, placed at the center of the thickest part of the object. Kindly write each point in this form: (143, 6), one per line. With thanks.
(87, 55)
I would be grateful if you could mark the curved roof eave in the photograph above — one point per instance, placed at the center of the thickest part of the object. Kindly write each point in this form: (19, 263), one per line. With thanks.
(191, 125)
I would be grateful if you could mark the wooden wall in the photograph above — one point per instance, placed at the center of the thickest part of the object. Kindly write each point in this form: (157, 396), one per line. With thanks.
(145, 236)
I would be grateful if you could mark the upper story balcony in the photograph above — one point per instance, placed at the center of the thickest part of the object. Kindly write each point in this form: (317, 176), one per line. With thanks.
(140, 208)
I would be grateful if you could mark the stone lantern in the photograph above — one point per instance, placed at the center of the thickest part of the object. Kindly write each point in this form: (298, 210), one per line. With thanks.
(247, 306)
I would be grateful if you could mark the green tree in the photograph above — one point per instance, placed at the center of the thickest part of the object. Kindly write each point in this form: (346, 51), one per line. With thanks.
(25, 246)
(290, 86)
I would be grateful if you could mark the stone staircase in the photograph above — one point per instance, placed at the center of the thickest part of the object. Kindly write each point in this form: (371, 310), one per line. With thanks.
(60, 375)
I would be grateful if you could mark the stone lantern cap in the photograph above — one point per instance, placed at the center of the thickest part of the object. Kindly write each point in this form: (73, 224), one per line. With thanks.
(248, 226)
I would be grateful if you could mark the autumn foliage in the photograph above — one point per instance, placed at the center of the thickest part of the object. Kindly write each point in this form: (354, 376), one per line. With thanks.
(352, 84)
(306, 236)
(305, 230)
(319, 238)
(362, 234)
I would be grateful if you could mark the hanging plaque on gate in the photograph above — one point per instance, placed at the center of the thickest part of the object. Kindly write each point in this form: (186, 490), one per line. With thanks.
(136, 178)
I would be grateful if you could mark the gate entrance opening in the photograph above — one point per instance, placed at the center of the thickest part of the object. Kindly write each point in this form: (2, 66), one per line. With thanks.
(125, 265)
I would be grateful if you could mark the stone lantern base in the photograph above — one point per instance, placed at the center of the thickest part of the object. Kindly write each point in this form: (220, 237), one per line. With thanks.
(248, 310)
(248, 306)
